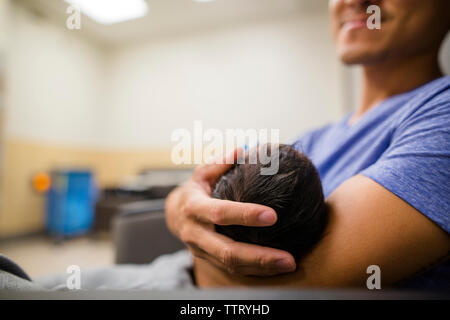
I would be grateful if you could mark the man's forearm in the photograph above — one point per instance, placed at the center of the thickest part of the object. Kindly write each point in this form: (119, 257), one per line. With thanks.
(368, 225)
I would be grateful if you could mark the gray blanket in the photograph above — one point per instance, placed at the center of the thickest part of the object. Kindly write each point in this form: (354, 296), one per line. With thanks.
(171, 271)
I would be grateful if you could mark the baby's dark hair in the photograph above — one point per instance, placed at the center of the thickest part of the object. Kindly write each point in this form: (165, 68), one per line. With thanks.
(294, 192)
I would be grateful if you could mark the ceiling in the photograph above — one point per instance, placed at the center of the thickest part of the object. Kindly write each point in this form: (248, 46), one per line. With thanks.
(177, 16)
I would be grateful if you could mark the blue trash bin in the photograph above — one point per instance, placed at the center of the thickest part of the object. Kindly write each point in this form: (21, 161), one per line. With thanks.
(70, 202)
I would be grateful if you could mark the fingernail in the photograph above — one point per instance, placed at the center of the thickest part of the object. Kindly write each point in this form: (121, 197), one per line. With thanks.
(267, 217)
(285, 265)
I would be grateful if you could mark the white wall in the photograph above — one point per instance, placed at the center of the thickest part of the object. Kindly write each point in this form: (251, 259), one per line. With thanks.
(54, 82)
(275, 74)
(444, 55)
(4, 7)
(267, 74)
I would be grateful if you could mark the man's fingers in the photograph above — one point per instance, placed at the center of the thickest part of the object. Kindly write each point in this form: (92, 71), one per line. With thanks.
(242, 258)
(222, 251)
(225, 212)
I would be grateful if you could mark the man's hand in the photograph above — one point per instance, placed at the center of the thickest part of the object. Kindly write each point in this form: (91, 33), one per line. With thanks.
(191, 214)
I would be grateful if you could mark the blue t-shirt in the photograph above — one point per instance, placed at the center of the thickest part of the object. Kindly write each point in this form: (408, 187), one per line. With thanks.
(404, 145)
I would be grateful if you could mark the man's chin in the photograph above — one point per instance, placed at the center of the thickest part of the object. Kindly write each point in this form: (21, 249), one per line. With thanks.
(351, 60)
(354, 57)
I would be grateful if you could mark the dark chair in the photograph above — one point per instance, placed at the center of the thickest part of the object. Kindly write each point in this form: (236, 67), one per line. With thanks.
(140, 232)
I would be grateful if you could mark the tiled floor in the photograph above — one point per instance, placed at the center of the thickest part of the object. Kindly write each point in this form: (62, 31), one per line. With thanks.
(41, 255)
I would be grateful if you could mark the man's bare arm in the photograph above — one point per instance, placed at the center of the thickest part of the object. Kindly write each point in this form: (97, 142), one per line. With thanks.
(369, 225)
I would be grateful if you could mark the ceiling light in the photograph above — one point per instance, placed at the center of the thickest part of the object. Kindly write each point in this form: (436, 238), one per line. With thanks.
(111, 11)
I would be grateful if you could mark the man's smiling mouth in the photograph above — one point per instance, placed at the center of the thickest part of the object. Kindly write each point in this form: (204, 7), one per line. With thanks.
(356, 22)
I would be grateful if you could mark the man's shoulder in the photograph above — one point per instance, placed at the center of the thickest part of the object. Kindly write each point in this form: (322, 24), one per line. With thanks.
(434, 92)
(428, 104)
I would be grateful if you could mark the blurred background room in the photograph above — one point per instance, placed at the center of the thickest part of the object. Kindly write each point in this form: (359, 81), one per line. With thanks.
(86, 114)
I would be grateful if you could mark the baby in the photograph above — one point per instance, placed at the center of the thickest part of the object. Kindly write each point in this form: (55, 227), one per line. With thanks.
(294, 192)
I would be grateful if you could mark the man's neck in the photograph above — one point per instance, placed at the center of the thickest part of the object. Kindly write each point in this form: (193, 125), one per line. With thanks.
(391, 77)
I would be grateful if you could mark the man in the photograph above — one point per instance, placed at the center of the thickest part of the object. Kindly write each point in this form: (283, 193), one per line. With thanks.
(384, 168)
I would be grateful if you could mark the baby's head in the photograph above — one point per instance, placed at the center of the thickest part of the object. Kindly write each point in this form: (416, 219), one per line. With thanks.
(294, 192)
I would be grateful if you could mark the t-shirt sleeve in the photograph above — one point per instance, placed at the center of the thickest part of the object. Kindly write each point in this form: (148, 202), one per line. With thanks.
(416, 165)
